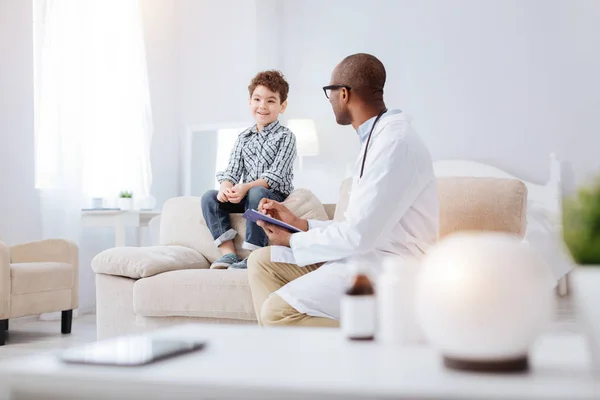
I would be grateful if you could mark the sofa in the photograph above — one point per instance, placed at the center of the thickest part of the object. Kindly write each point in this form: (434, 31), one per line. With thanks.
(144, 288)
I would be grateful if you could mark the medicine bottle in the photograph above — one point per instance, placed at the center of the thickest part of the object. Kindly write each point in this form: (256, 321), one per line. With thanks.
(358, 309)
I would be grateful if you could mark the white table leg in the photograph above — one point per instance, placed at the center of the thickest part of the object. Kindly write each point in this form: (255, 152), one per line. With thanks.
(563, 286)
(120, 234)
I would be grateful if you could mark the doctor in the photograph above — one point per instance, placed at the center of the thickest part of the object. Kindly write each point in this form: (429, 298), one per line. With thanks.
(392, 210)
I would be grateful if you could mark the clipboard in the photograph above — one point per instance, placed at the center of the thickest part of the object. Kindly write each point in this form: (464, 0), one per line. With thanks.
(253, 215)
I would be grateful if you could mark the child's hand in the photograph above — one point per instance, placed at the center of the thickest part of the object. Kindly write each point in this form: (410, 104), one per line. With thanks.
(224, 191)
(238, 192)
(222, 197)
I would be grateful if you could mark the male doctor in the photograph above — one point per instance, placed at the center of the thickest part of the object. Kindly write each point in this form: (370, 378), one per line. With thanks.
(392, 210)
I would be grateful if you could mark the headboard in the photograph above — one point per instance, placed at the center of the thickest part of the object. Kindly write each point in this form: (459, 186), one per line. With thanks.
(549, 194)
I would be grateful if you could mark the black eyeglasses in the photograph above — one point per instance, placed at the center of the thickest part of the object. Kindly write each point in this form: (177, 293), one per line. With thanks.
(328, 89)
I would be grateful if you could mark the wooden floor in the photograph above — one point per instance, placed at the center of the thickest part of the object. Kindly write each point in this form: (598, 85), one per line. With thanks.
(27, 336)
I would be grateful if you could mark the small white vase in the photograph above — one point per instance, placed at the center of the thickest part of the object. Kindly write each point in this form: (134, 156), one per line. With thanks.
(585, 289)
(97, 202)
(125, 204)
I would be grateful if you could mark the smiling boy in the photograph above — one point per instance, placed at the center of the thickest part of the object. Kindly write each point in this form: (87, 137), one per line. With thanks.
(260, 166)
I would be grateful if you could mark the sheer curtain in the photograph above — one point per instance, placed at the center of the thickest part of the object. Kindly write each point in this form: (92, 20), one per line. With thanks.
(92, 117)
(93, 114)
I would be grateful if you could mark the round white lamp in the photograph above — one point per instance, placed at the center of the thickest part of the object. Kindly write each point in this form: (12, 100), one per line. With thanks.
(482, 299)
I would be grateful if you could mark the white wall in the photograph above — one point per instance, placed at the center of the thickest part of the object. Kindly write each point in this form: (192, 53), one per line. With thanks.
(217, 59)
(159, 22)
(201, 55)
(19, 204)
(500, 81)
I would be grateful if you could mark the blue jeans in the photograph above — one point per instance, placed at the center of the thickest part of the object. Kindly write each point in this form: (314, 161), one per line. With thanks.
(217, 219)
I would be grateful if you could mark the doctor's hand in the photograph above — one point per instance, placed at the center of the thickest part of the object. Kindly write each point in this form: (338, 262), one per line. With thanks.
(278, 211)
(277, 236)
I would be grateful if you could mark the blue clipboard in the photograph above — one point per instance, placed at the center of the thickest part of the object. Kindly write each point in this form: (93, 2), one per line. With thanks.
(253, 215)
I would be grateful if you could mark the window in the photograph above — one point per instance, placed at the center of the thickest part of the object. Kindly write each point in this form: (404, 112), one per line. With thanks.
(93, 119)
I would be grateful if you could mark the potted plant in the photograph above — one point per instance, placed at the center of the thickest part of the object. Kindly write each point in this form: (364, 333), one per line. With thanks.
(126, 200)
(581, 231)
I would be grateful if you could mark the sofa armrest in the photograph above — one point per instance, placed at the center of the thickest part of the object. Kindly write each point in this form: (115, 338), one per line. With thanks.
(50, 250)
(330, 210)
(4, 281)
(154, 229)
(142, 262)
(182, 223)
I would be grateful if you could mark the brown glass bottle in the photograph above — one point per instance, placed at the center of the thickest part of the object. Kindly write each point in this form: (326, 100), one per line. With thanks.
(361, 286)
(358, 309)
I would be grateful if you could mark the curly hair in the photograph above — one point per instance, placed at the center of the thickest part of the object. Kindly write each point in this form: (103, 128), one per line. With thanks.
(272, 80)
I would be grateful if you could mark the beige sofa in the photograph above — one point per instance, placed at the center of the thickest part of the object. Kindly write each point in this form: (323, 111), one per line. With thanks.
(38, 277)
(144, 288)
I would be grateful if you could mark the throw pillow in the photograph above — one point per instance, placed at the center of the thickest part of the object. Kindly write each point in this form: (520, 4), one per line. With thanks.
(304, 204)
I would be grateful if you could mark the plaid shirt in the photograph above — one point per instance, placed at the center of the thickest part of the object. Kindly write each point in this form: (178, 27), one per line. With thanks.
(267, 155)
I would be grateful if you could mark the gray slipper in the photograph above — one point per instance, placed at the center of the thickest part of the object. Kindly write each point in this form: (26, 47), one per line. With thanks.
(225, 261)
(240, 265)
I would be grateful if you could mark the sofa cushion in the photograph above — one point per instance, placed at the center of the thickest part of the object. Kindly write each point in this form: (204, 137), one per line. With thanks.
(304, 203)
(490, 204)
(470, 203)
(40, 277)
(195, 293)
(142, 262)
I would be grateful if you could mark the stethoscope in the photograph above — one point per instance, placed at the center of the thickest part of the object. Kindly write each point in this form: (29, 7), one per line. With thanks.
(362, 168)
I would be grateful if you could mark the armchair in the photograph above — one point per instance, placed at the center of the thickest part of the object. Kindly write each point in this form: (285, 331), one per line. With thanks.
(38, 277)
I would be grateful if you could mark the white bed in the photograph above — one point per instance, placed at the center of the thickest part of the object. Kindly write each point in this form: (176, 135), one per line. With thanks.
(544, 209)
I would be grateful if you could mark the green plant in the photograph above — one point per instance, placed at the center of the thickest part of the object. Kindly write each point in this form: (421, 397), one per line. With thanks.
(581, 224)
(126, 194)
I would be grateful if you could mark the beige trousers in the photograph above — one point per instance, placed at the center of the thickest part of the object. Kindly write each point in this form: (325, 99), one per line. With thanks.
(266, 277)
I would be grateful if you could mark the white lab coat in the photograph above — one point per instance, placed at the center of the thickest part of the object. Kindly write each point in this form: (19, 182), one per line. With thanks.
(393, 210)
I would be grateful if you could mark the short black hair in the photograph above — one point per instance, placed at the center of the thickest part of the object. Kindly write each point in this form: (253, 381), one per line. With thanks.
(364, 73)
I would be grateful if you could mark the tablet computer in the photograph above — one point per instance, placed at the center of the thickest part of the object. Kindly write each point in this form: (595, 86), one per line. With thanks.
(253, 215)
(129, 351)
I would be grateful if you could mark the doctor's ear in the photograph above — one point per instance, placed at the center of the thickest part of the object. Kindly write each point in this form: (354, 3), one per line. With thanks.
(345, 95)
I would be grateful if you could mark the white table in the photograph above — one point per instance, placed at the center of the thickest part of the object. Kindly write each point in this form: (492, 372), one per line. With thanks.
(119, 221)
(303, 363)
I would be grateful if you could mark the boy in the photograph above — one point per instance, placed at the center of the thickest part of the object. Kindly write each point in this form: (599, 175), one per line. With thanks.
(264, 155)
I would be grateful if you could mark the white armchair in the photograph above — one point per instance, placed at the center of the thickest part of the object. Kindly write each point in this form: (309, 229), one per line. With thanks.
(38, 277)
